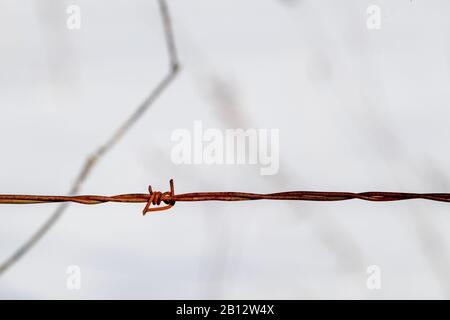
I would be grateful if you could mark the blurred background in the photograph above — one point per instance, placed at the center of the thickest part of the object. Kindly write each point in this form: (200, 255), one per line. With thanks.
(358, 110)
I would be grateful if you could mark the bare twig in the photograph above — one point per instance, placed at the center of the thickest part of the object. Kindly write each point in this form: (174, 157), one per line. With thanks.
(115, 138)
(170, 198)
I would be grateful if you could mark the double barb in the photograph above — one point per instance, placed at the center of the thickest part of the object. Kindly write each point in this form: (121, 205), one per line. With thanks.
(157, 197)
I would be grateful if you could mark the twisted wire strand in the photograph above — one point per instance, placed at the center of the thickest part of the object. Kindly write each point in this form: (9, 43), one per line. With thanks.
(169, 198)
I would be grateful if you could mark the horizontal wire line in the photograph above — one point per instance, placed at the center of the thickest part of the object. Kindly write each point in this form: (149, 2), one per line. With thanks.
(170, 198)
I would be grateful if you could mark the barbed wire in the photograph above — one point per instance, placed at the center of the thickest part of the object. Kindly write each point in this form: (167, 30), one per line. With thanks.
(169, 198)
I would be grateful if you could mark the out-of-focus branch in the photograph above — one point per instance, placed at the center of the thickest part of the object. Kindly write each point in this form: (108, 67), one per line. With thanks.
(92, 161)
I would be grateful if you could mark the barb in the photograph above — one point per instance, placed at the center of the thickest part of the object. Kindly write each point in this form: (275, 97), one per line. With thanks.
(113, 140)
(170, 198)
(156, 198)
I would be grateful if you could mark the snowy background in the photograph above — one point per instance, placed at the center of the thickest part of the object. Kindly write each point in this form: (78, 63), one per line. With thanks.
(357, 109)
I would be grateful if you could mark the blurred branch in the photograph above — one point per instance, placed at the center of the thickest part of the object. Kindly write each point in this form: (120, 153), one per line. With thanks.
(92, 161)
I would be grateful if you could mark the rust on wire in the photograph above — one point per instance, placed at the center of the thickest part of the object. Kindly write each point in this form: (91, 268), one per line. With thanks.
(169, 198)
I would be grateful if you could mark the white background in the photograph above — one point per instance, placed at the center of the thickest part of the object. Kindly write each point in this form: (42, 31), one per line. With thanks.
(357, 109)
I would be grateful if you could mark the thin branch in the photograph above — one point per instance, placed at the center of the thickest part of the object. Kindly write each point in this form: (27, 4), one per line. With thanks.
(115, 138)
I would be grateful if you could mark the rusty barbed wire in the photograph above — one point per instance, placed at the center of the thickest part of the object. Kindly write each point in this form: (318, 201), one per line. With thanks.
(169, 198)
